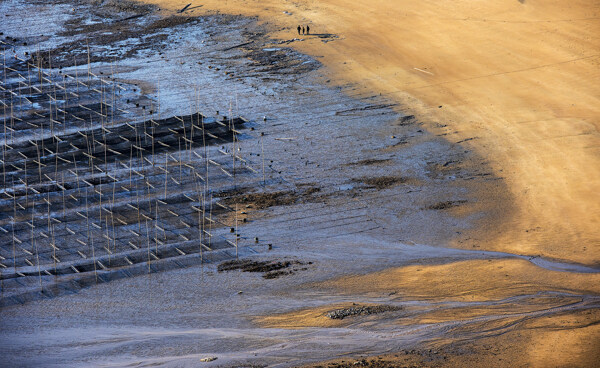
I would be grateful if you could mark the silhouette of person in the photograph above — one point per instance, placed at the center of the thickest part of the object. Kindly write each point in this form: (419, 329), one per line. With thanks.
(302, 30)
(307, 29)
(299, 29)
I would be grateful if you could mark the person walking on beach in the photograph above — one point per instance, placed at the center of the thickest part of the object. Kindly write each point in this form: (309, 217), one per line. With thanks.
(307, 29)
(299, 29)
(302, 29)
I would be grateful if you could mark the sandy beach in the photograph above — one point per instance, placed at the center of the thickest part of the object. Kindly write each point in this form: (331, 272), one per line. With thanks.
(512, 82)
(429, 193)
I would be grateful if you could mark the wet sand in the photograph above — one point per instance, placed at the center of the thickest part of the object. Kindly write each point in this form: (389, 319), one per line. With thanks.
(500, 100)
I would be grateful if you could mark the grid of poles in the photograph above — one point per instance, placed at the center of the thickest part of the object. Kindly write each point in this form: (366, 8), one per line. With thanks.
(91, 183)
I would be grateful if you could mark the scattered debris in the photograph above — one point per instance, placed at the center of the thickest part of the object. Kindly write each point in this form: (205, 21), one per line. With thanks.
(406, 120)
(446, 204)
(208, 359)
(276, 274)
(365, 108)
(265, 200)
(361, 311)
(272, 269)
(371, 161)
(381, 182)
(240, 45)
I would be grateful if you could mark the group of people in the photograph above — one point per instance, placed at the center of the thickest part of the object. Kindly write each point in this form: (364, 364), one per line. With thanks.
(304, 30)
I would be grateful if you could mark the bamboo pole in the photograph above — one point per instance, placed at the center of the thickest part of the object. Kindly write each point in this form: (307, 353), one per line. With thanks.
(236, 231)
(76, 78)
(89, 65)
(89, 233)
(262, 155)
(205, 191)
(26, 183)
(4, 149)
(200, 214)
(148, 243)
(130, 164)
(112, 215)
(210, 222)
(66, 97)
(156, 226)
(53, 244)
(76, 175)
(64, 216)
(4, 63)
(139, 219)
(56, 154)
(50, 104)
(12, 121)
(34, 245)
(28, 78)
(50, 225)
(14, 222)
(40, 69)
(180, 162)
(232, 127)
(114, 96)
(39, 161)
(166, 174)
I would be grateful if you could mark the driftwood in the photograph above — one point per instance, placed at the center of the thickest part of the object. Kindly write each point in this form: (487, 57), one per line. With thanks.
(185, 8)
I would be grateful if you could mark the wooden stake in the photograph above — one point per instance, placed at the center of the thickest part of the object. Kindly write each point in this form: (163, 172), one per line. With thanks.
(236, 231)
(34, 245)
(76, 78)
(166, 174)
(90, 237)
(14, 222)
(148, 243)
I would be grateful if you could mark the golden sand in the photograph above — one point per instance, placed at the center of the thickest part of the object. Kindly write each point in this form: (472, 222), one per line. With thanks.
(521, 334)
(476, 280)
(466, 281)
(535, 344)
